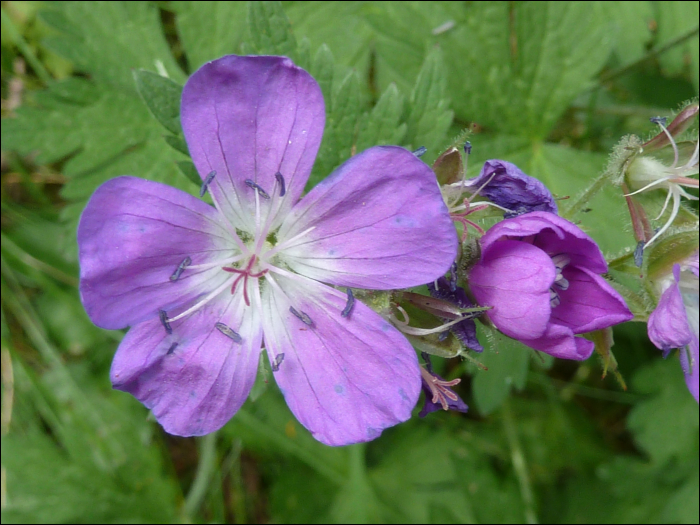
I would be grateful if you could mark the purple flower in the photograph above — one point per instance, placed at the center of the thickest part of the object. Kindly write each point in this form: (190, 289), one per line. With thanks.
(674, 322)
(539, 272)
(465, 330)
(504, 184)
(439, 395)
(204, 288)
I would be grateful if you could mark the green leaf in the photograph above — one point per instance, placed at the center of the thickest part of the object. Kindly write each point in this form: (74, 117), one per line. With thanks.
(270, 30)
(162, 96)
(675, 19)
(516, 67)
(177, 143)
(631, 28)
(322, 71)
(188, 170)
(209, 30)
(507, 361)
(382, 125)
(341, 128)
(429, 117)
(666, 424)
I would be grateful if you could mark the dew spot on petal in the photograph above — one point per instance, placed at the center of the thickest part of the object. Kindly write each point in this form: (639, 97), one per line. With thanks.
(385, 327)
(373, 432)
(403, 394)
(339, 389)
(193, 394)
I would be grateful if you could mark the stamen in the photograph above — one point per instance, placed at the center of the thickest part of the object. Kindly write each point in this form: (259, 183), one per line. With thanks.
(219, 263)
(674, 213)
(302, 316)
(554, 299)
(663, 208)
(277, 362)
(181, 267)
(164, 321)
(206, 183)
(410, 330)
(283, 187)
(228, 332)
(661, 121)
(257, 188)
(349, 305)
(420, 151)
(468, 148)
(639, 254)
(171, 349)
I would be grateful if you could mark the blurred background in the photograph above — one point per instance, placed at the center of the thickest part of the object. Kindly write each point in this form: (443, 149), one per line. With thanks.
(550, 86)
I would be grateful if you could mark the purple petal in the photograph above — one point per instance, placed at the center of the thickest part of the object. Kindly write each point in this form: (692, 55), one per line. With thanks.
(668, 325)
(509, 187)
(589, 303)
(250, 118)
(379, 222)
(132, 236)
(465, 330)
(195, 386)
(559, 341)
(552, 234)
(515, 277)
(344, 378)
(692, 368)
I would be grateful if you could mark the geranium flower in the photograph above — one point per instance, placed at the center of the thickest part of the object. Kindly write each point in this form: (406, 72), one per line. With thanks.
(653, 170)
(540, 273)
(204, 288)
(674, 322)
(439, 394)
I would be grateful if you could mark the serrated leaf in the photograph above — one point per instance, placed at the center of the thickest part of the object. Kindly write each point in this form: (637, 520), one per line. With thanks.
(430, 116)
(162, 96)
(516, 67)
(341, 128)
(270, 30)
(187, 168)
(92, 44)
(322, 71)
(177, 143)
(382, 125)
(209, 30)
(507, 361)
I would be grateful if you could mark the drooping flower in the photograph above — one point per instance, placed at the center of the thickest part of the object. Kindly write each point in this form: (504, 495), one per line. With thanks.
(652, 169)
(204, 288)
(505, 184)
(674, 322)
(540, 275)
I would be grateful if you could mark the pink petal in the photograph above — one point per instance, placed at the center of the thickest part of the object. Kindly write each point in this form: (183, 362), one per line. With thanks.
(589, 303)
(515, 277)
(344, 378)
(552, 234)
(195, 379)
(559, 341)
(379, 222)
(250, 118)
(132, 237)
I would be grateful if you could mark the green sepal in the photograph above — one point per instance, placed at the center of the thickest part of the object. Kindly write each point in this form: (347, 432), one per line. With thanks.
(671, 249)
(603, 340)
(448, 166)
(162, 96)
(430, 344)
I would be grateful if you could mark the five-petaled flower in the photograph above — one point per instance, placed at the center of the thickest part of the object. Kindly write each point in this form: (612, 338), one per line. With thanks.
(204, 288)
(674, 322)
(539, 272)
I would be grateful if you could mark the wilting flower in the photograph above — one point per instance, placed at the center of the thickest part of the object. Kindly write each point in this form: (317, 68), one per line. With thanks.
(540, 273)
(203, 287)
(674, 322)
(505, 184)
(653, 170)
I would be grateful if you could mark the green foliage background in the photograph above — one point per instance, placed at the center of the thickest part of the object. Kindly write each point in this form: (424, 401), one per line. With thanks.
(550, 86)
